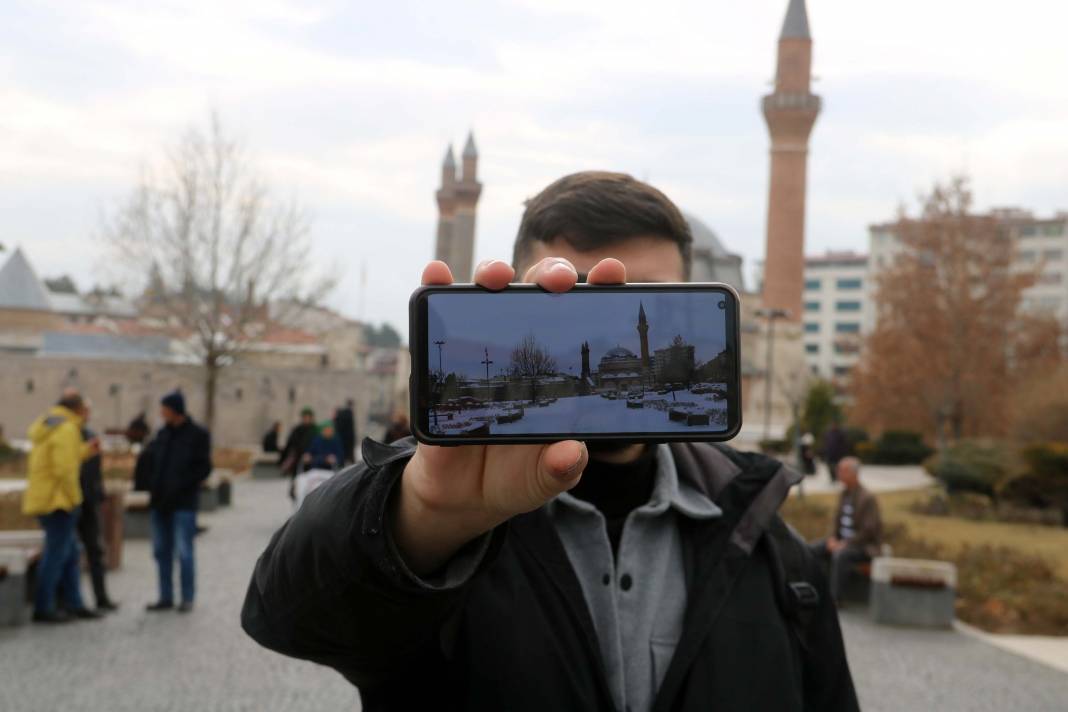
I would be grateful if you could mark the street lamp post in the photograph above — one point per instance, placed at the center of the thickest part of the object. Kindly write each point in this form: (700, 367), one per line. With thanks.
(769, 370)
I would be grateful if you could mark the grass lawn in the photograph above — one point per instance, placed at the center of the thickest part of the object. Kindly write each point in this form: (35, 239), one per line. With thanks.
(1013, 578)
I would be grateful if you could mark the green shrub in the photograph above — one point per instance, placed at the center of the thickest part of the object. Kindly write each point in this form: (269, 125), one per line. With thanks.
(899, 447)
(864, 450)
(979, 466)
(854, 437)
(1045, 482)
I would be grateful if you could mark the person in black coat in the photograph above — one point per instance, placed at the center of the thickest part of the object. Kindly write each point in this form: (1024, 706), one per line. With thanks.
(300, 438)
(270, 439)
(560, 576)
(345, 426)
(89, 523)
(835, 447)
(181, 461)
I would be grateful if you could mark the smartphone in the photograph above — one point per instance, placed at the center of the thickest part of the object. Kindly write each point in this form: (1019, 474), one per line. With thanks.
(634, 362)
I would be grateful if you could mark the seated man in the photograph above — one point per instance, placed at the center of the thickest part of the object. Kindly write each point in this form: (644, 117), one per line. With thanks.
(857, 532)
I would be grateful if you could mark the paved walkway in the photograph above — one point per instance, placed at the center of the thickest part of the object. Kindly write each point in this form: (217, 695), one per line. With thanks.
(877, 478)
(144, 663)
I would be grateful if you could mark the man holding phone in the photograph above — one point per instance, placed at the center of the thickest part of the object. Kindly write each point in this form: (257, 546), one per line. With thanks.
(617, 576)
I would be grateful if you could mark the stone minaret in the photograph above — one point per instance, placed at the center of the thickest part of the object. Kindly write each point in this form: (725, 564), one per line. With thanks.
(585, 361)
(457, 200)
(446, 196)
(790, 111)
(643, 334)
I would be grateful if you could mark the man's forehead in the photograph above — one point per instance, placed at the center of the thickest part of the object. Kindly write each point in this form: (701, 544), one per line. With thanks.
(647, 259)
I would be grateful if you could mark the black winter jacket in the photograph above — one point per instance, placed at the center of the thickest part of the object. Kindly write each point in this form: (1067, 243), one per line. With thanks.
(181, 461)
(518, 636)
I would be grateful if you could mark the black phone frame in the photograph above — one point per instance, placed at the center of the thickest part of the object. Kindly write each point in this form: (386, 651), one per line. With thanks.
(418, 382)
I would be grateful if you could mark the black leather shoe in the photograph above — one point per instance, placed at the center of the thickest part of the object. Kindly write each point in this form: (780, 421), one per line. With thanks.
(86, 615)
(107, 606)
(159, 606)
(185, 607)
(51, 617)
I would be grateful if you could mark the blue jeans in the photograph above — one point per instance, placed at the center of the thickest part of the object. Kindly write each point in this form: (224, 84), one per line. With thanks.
(58, 569)
(171, 530)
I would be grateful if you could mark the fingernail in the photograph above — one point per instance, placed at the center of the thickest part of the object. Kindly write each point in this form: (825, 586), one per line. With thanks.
(561, 267)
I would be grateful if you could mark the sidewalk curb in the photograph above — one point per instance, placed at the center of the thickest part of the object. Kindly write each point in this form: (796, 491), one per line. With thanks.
(1025, 646)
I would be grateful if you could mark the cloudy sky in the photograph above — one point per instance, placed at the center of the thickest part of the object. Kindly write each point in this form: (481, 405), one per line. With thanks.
(349, 107)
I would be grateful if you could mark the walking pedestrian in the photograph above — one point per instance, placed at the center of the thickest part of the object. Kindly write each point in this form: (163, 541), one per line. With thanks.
(345, 425)
(181, 461)
(835, 447)
(300, 437)
(54, 496)
(89, 523)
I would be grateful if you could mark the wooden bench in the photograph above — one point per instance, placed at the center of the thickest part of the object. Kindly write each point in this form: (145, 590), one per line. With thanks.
(19, 553)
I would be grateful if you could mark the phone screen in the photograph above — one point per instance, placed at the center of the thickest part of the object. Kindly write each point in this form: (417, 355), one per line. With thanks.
(648, 361)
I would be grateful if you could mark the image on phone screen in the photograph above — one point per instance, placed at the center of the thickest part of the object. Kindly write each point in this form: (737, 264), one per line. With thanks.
(585, 362)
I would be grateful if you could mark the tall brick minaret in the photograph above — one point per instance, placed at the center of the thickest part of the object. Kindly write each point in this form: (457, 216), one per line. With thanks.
(457, 200)
(790, 111)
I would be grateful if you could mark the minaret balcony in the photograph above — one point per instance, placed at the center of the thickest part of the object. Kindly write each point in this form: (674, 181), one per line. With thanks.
(803, 102)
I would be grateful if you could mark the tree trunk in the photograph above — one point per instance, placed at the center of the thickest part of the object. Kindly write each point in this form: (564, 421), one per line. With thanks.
(211, 382)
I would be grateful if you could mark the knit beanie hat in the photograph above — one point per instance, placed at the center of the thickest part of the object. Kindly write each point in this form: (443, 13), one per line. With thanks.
(175, 401)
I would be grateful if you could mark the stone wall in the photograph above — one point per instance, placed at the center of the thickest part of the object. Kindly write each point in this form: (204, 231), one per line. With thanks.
(249, 399)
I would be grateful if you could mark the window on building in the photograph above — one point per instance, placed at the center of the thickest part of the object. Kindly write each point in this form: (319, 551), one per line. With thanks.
(812, 306)
(1051, 278)
(812, 327)
(1026, 255)
(812, 284)
(1053, 255)
(1053, 230)
(847, 327)
(238, 394)
(812, 348)
(849, 283)
(846, 347)
(847, 306)
(842, 370)
(1028, 231)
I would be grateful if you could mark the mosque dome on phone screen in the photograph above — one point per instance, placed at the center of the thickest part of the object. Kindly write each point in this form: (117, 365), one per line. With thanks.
(618, 353)
(712, 262)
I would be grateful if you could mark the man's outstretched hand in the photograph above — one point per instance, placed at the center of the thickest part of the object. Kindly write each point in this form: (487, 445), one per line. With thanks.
(451, 495)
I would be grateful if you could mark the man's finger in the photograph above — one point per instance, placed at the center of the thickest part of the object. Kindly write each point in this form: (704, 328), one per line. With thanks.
(437, 273)
(494, 274)
(560, 467)
(607, 271)
(553, 274)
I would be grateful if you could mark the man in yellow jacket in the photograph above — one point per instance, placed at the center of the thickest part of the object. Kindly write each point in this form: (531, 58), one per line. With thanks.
(54, 496)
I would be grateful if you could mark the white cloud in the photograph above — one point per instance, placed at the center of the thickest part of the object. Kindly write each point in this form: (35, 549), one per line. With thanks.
(351, 111)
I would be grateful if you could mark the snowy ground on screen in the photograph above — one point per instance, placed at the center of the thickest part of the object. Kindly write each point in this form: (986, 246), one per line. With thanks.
(592, 414)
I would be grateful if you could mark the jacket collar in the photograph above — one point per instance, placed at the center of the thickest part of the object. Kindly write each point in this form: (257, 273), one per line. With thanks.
(669, 492)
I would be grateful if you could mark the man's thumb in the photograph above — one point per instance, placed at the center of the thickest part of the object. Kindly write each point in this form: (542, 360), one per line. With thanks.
(560, 467)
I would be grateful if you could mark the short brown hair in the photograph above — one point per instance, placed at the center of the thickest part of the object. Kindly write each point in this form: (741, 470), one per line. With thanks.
(593, 209)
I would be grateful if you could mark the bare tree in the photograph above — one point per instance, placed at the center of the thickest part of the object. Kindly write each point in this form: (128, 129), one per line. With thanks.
(938, 360)
(218, 251)
(530, 360)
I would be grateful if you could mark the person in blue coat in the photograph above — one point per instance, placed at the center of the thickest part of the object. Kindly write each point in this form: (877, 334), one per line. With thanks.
(326, 451)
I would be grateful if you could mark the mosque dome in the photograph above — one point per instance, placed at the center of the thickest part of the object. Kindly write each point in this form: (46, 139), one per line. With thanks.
(712, 262)
(619, 352)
